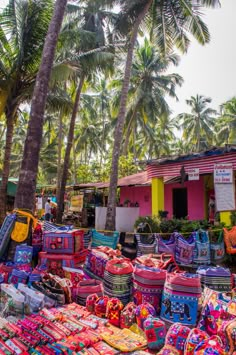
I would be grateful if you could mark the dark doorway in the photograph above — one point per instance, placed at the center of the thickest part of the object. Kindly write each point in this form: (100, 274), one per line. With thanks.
(180, 203)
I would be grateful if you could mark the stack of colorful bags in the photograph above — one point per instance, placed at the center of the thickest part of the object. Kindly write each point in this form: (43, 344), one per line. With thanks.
(118, 279)
(62, 247)
(216, 277)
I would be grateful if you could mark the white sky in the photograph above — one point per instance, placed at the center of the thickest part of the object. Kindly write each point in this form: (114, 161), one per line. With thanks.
(208, 70)
(211, 70)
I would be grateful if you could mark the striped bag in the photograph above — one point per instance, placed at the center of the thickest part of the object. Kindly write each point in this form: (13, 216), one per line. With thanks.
(59, 242)
(5, 232)
(202, 248)
(146, 244)
(184, 252)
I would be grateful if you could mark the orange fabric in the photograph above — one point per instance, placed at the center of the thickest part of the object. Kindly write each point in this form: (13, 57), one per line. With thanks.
(230, 240)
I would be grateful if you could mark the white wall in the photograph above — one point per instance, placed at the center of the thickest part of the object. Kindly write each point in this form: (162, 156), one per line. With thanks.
(125, 218)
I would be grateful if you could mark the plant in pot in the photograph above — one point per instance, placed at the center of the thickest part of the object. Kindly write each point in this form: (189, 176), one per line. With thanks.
(163, 214)
(126, 203)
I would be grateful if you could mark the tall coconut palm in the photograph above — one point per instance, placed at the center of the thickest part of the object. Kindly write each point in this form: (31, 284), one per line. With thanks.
(149, 85)
(170, 22)
(199, 124)
(89, 64)
(226, 123)
(23, 27)
(29, 167)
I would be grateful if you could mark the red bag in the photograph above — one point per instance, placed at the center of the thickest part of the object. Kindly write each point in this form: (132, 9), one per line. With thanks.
(119, 266)
(88, 287)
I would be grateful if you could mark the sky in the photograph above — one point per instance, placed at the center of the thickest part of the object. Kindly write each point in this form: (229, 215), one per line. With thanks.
(208, 70)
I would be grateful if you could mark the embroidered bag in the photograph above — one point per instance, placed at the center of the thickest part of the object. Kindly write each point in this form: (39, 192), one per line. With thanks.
(142, 312)
(177, 336)
(127, 316)
(217, 308)
(155, 331)
(90, 302)
(217, 247)
(202, 248)
(37, 239)
(230, 240)
(22, 225)
(100, 306)
(101, 239)
(88, 287)
(23, 254)
(227, 334)
(60, 242)
(195, 337)
(210, 346)
(148, 284)
(185, 249)
(146, 244)
(114, 307)
(166, 245)
(5, 232)
(181, 298)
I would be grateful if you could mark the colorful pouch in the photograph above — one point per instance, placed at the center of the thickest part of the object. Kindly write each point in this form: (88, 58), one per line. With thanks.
(90, 302)
(23, 254)
(114, 307)
(184, 252)
(143, 311)
(155, 331)
(177, 336)
(127, 316)
(217, 247)
(195, 337)
(210, 346)
(100, 307)
(166, 246)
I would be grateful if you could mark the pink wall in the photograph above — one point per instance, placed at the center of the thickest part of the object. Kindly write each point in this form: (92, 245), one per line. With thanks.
(140, 194)
(195, 193)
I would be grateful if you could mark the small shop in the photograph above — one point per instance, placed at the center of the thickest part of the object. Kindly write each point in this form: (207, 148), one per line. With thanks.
(197, 186)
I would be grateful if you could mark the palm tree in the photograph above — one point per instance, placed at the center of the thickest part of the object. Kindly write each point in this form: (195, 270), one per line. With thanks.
(170, 21)
(149, 85)
(29, 167)
(92, 62)
(226, 123)
(23, 27)
(199, 124)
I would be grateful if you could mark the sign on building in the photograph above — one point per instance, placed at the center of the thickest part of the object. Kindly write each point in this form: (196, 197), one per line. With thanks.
(193, 174)
(223, 173)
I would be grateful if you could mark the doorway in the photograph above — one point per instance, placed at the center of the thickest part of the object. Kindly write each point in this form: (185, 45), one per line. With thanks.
(180, 203)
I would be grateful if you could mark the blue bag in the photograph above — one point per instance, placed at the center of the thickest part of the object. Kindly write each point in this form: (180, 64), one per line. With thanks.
(202, 248)
(99, 239)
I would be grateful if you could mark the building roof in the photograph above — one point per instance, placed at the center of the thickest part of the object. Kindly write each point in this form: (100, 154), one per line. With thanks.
(204, 161)
(214, 151)
(138, 179)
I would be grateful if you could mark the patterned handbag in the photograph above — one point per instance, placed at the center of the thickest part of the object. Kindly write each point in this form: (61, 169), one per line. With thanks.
(230, 240)
(142, 312)
(181, 298)
(100, 307)
(195, 337)
(176, 337)
(184, 251)
(217, 308)
(148, 284)
(217, 247)
(146, 244)
(60, 242)
(166, 245)
(105, 240)
(127, 316)
(202, 248)
(23, 254)
(155, 331)
(210, 346)
(90, 302)
(5, 232)
(114, 307)
(88, 287)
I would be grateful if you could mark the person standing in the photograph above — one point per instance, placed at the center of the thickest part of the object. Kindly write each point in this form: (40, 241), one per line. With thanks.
(48, 210)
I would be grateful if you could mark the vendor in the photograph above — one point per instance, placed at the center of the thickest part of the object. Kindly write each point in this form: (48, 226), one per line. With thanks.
(48, 210)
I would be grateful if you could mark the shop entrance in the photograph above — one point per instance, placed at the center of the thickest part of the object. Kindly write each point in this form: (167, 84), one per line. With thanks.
(180, 203)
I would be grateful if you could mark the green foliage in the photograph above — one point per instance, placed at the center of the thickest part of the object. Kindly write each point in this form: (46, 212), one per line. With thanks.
(150, 223)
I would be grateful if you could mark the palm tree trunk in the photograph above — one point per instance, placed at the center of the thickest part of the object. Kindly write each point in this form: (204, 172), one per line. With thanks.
(70, 139)
(74, 163)
(10, 118)
(111, 205)
(128, 132)
(59, 151)
(25, 195)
